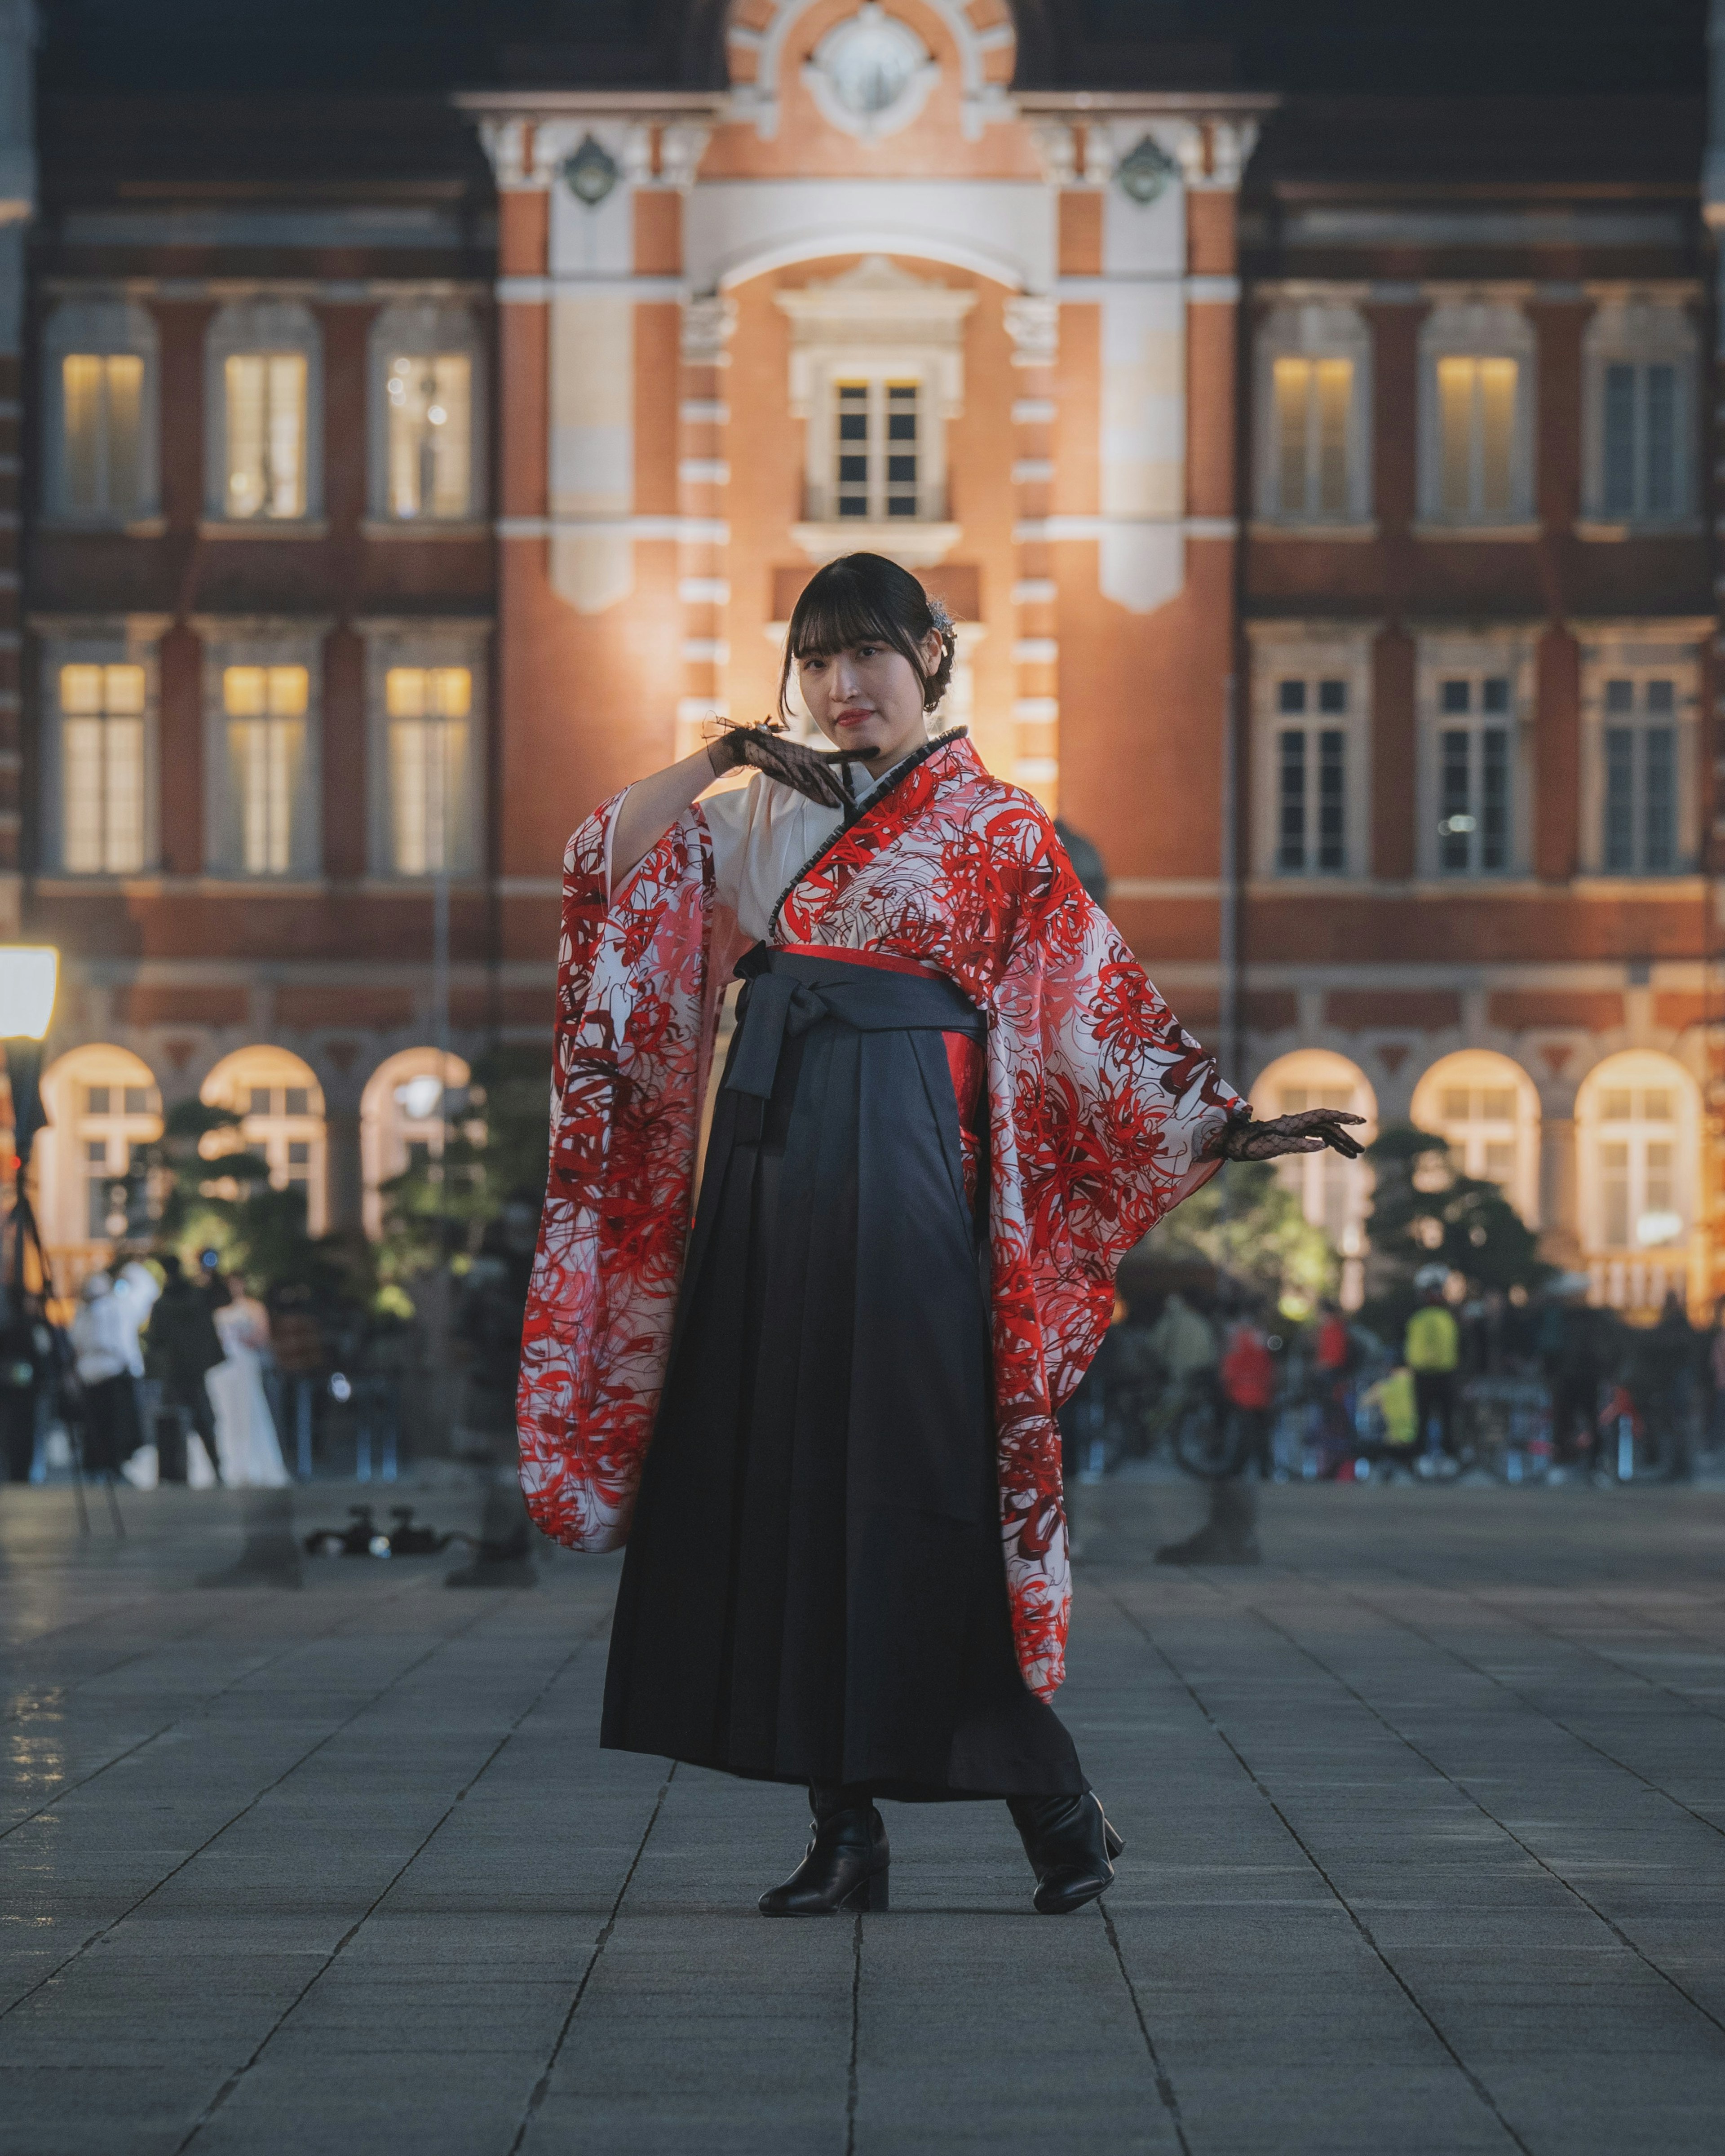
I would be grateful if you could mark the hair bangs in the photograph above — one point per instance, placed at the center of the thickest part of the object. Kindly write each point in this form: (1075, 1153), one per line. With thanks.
(835, 613)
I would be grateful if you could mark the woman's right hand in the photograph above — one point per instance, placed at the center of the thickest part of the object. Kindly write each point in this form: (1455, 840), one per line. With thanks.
(792, 763)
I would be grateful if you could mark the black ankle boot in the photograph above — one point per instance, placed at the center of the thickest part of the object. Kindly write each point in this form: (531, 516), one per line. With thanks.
(1069, 1842)
(845, 1866)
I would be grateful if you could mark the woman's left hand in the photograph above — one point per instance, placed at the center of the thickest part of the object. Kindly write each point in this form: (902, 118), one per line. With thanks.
(1309, 1131)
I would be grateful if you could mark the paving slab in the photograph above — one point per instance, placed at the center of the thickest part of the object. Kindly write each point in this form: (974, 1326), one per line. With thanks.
(1425, 1817)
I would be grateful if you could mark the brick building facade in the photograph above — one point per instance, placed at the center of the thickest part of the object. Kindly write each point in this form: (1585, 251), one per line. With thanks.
(1323, 487)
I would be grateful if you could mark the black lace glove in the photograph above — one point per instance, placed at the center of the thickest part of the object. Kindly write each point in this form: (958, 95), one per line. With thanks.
(1309, 1131)
(791, 762)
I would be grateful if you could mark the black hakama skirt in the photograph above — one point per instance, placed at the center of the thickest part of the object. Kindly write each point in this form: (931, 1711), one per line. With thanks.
(813, 1588)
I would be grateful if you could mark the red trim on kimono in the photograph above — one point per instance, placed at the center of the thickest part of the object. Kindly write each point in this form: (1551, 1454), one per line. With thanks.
(1098, 1106)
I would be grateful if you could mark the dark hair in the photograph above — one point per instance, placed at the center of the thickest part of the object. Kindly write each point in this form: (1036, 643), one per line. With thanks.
(865, 598)
(170, 1264)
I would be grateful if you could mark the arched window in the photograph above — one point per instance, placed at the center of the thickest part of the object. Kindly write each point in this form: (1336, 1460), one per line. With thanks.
(426, 400)
(1641, 360)
(101, 1101)
(264, 412)
(401, 1119)
(1335, 1195)
(1638, 1132)
(1477, 361)
(100, 465)
(1485, 1109)
(280, 1106)
(1314, 416)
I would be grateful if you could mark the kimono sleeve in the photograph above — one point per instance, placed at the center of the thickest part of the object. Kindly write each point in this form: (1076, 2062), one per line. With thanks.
(1112, 1103)
(628, 1069)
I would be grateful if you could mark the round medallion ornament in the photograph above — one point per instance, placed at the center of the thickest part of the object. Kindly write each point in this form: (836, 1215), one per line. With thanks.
(871, 73)
(1144, 174)
(591, 173)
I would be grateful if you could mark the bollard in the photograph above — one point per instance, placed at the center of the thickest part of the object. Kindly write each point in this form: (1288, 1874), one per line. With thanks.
(271, 1556)
(505, 1555)
(1230, 1534)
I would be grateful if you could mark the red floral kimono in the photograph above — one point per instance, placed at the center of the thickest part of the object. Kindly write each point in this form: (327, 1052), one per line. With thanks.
(1099, 1108)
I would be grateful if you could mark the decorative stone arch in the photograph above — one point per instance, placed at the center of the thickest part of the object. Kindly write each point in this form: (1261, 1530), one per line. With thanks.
(277, 1095)
(1639, 1132)
(1487, 1108)
(757, 33)
(1334, 1193)
(97, 1095)
(400, 1108)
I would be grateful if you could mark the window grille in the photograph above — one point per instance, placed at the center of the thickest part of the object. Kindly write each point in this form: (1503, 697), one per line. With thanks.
(877, 448)
(1474, 775)
(266, 434)
(430, 431)
(102, 768)
(1313, 404)
(265, 709)
(428, 712)
(102, 412)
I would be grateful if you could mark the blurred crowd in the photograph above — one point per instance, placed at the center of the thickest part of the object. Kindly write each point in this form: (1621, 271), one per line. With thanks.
(1540, 1387)
(166, 1372)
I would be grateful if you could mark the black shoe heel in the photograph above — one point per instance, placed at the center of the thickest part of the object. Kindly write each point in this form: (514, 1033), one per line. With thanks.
(845, 1867)
(1070, 1846)
(870, 1898)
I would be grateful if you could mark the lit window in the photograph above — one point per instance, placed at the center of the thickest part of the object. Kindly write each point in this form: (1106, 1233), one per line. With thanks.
(264, 708)
(1476, 423)
(1313, 405)
(266, 434)
(98, 396)
(876, 448)
(102, 769)
(1474, 775)
(1637, 1155)
(110, 1122)
(428, 713)
(281, 1112)
(430, 431)
(101, 402)
(1485, 1108)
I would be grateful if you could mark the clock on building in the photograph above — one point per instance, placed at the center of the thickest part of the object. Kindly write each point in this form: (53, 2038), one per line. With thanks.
(871, 73)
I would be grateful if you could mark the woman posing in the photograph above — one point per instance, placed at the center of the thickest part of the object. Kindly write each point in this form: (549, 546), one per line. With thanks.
(952, 1103)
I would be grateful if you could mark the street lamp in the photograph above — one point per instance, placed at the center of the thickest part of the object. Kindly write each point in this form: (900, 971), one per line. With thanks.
(28, 975)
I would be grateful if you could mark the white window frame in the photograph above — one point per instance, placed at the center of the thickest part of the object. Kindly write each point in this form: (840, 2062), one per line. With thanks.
(106, 327)
(1282, 651)
(876, 322)
(1641, 332)
(1477, 1071)
(1635, 1070)
(1442, 656)
(1477, 329)
(104, 641)
(261, 642)
(399, 643)
(260, 325)
(1640, 652)
(1314, 330)
(424, 329)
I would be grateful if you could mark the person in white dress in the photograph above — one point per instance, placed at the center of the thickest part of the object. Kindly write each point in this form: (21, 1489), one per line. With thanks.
(245, 1428)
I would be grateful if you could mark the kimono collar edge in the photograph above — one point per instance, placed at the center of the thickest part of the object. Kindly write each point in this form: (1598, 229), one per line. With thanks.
(889, 786)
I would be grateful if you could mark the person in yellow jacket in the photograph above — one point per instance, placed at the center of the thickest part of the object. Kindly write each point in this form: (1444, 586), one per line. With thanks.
(1432, 1350)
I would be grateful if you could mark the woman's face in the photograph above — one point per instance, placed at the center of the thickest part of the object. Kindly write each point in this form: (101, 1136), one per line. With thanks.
(868, 701)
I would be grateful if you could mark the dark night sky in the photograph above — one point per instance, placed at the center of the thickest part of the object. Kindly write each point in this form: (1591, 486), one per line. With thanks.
(1406, 46)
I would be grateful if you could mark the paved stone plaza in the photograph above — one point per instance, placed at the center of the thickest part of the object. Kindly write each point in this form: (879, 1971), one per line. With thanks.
(1425, 1828)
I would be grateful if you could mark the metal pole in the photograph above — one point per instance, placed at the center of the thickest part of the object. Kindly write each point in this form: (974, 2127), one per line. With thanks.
(1229, 1026)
